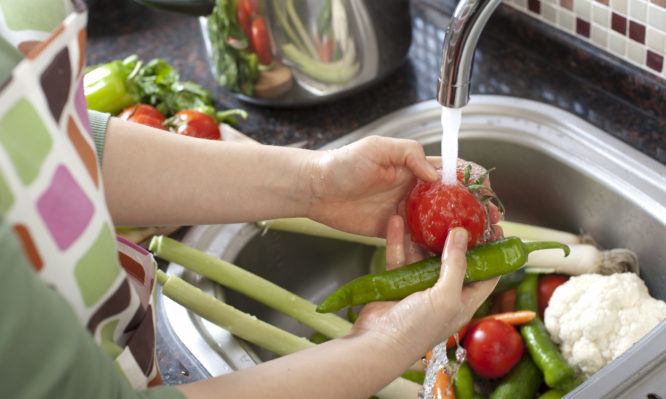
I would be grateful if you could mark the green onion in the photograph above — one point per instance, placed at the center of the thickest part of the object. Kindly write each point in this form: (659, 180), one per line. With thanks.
(310, 227)
(231, 319)
(249, 284)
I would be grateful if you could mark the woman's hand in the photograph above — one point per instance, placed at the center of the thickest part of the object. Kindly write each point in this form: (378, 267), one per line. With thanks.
(422, 320)
(356, 188)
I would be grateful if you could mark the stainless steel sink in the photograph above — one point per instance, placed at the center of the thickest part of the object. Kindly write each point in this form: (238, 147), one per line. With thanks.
(552, 169)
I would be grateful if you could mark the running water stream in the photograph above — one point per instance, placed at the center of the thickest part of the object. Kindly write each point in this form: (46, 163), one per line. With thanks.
(451, 119)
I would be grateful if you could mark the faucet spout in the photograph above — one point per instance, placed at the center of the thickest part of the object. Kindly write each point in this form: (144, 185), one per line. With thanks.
(460, 41)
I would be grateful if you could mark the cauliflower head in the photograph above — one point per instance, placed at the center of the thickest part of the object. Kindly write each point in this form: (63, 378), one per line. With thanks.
(595, 318)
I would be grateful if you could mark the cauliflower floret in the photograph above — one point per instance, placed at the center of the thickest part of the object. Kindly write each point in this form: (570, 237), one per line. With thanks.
(596, 318)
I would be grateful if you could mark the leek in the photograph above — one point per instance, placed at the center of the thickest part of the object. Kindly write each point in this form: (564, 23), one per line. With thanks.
(528, 232)
(585, 258)
(249, 284)
(253, 330)
(231, 319)
(310, 227)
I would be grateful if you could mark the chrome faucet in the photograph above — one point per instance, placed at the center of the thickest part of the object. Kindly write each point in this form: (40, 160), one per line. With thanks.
(460, 40)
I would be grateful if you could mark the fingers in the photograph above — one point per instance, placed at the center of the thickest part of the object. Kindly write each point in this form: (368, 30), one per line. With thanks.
(415, 160)
(395, 249)
(474, 294)
(454, 262)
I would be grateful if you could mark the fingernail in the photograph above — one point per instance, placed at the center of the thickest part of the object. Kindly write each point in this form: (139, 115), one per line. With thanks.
(460, 237)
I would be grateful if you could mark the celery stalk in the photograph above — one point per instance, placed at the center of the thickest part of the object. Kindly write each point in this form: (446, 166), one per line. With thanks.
(293, 15)
(253, 330)
(233, 320)
(529, 232)
(340, 71)
(286, 27)
(310, 227)
(249, 284)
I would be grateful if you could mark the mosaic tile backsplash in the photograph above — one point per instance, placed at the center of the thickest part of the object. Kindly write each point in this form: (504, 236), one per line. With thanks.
(633, 30)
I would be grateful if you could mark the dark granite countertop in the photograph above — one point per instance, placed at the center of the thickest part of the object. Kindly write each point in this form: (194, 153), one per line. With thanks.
(543, 65)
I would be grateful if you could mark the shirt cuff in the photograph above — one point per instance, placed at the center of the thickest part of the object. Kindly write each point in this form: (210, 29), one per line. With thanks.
(98, 122)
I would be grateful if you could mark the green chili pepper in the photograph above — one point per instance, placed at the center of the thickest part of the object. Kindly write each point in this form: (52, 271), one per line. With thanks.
(106, 90)
(556, 371)
(463, 382)
(483, 262)
(552, 394)
(522, 382)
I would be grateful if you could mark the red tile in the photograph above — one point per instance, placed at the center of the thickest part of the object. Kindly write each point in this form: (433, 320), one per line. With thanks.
(568, 4)
(637, 31)
(619, 23)
(534, 6)
(605, 2)
(654, 61)
(583, 28)
(660, 3)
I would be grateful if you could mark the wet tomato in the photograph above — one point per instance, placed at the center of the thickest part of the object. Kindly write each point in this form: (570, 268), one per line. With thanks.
(195, 124)
(493, 348)
(144, 114)
(545, 288)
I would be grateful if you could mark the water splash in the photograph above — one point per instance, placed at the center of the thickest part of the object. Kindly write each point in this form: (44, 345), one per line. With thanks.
(451, 119)
(440, 361)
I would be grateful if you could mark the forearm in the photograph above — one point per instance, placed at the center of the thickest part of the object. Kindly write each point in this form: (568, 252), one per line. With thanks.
(350, 367)
(153, 177)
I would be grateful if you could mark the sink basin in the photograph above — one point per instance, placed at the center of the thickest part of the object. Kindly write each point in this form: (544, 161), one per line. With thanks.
(552, 169)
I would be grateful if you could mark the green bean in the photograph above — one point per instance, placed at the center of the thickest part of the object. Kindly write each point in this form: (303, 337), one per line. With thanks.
(483, 262)
(522, 382)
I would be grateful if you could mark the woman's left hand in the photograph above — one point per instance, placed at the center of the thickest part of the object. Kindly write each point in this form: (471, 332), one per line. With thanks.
(357, 187)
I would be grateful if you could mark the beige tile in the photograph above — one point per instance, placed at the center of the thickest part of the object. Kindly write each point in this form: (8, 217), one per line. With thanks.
(636, 52)
(600, 14)
(617, 44)
(619, 6)
(657, 17)
(566, 20)
(638, 10)
(549, 13)
(656, 40)
(599, 36)
(583, 9)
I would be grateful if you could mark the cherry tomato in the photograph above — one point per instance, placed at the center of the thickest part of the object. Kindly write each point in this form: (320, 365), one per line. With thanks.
(432, 209)
(493, 348)
(261, 41)
(244, 20)
(545, 289)
(196, 124)
(144, 114)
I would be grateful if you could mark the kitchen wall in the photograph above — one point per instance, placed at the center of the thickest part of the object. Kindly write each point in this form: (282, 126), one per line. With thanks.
(632, 30)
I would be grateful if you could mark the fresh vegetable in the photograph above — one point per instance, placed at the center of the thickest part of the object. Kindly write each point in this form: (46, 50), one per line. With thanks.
(530, 232)
(246, 283)
(463, 382)
(432, 209)
(443, 388)
(107, 88)
(587, 258)
(493, 348)
(195, 124)
(144, 114)
(310, 227)
(253, 330)
(522, 382)
(545, 287)
(483, 262)
(261, 41)
(545, 354)
(509, 281)
(235, 68)
(512, 318)
(595, 318)
(552, 394)
(116, 85)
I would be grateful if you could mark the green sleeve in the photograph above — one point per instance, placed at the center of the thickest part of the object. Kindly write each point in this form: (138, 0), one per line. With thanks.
(45, 351)
(98, 123)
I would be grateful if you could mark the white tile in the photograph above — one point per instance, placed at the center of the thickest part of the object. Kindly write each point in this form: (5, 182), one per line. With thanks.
(638, 10)
(583, 9)
(636, 52)
(599, 36)
(617, 44)
(600, 14)
(655, 40)
(657, 17)
(566, 20)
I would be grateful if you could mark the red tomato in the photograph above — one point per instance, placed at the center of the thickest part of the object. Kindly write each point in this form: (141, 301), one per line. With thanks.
(261, 41)
(244, 20)
(196, 124)
(545, 288)
(493, 348)
(433, 209)
(144, 114)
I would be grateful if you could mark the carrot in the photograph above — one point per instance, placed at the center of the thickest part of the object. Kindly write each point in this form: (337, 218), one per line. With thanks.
(443, 388)
(513, 318)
